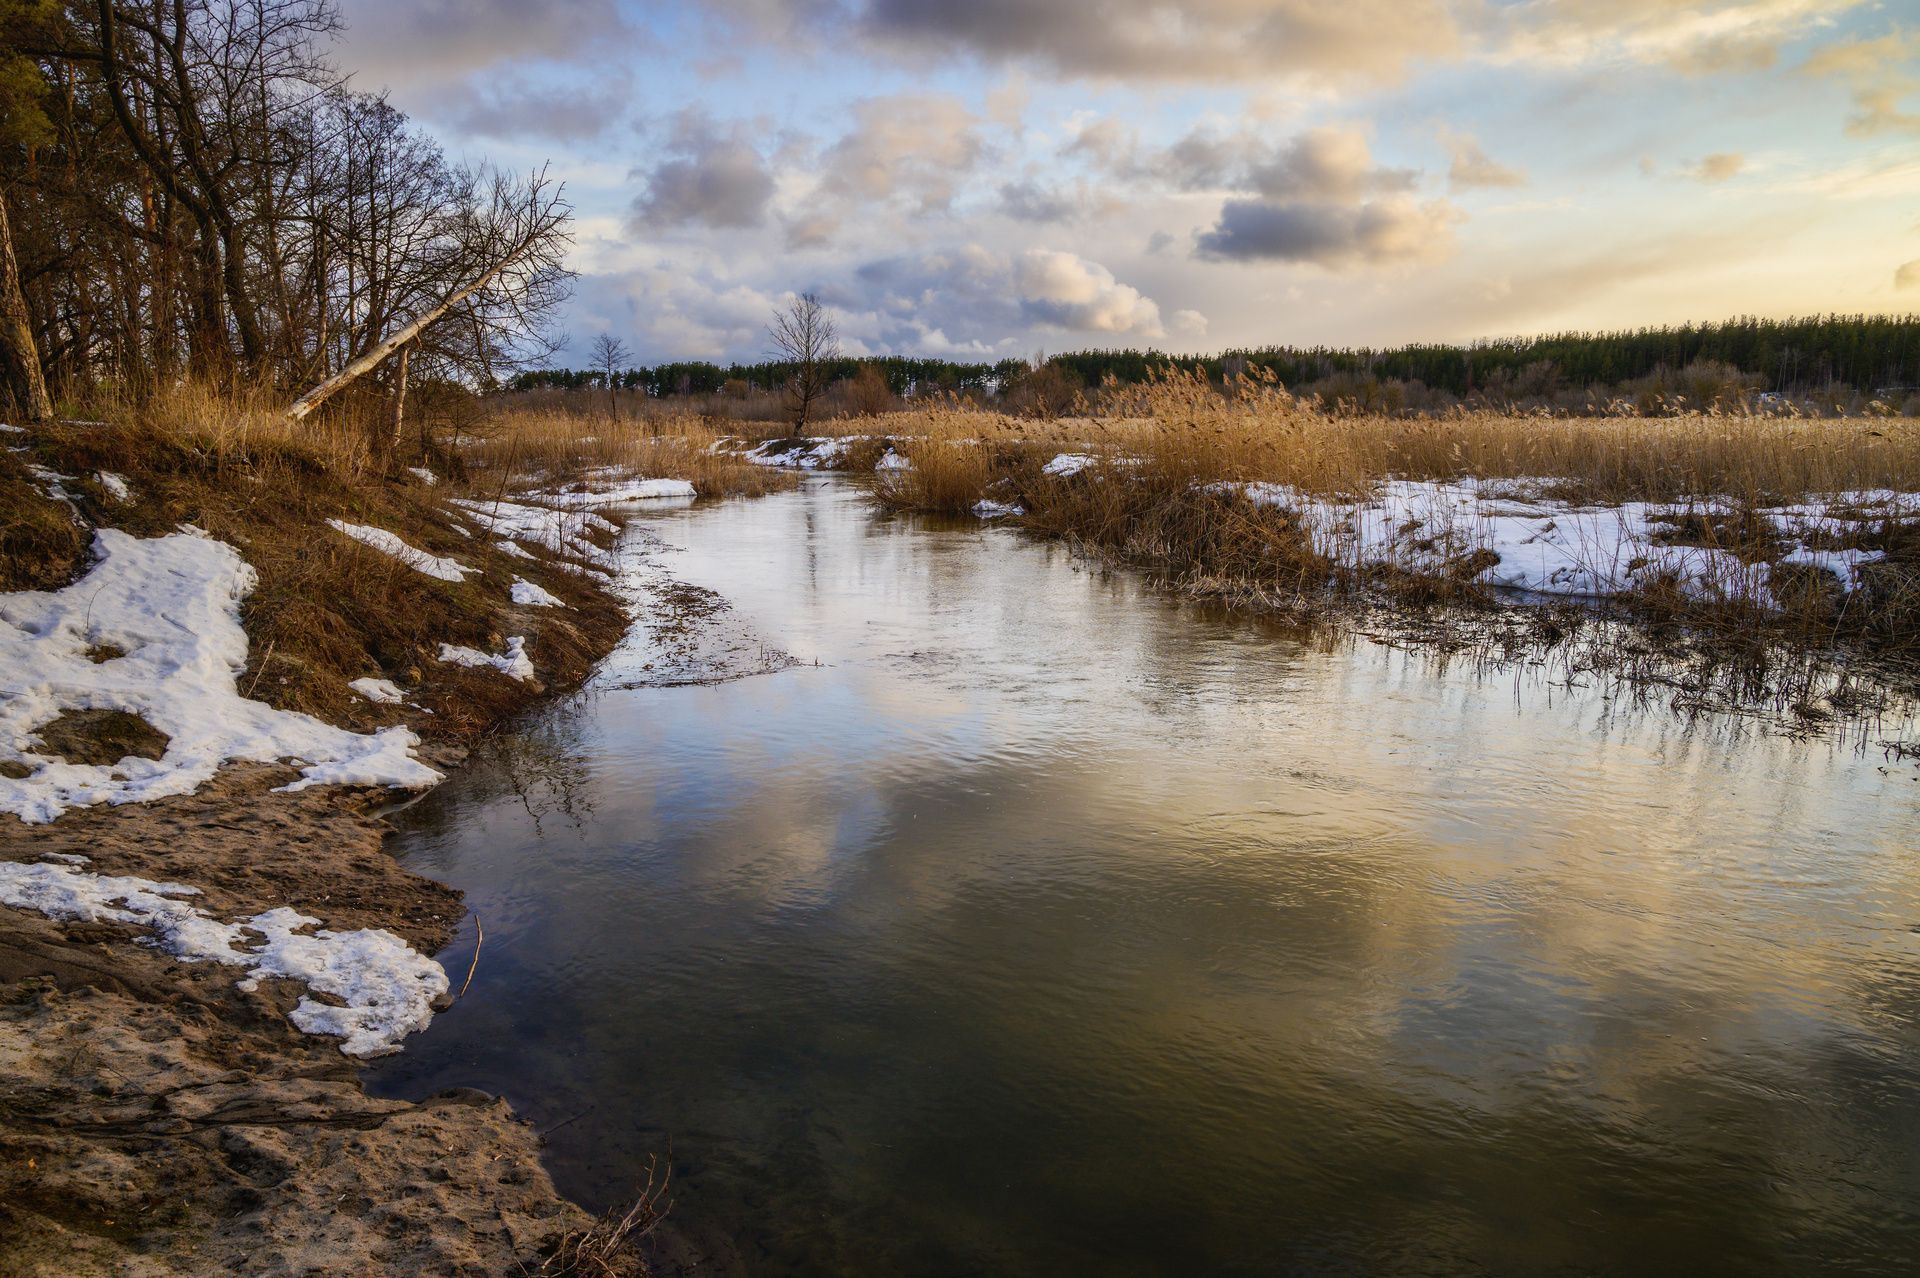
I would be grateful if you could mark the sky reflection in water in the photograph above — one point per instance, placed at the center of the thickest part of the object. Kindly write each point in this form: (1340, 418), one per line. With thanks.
(1048, 926)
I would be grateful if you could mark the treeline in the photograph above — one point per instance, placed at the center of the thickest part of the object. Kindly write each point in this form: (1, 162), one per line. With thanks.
(903, 375)
(196, 193)
(1862, 352)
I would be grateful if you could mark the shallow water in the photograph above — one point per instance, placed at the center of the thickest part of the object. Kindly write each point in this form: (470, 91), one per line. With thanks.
(1047, 926)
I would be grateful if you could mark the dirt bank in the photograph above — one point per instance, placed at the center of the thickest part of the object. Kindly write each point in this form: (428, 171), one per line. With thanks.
(156, 1119)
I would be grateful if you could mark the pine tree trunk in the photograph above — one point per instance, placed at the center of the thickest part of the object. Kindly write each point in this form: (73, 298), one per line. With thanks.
(19, 358)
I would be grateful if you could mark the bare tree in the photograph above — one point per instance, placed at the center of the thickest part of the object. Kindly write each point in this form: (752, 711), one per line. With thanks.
(508, 245)
(610, 356)
(803, 337)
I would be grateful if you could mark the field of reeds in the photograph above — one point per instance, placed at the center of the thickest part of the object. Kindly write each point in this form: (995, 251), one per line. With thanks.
(1742, 535)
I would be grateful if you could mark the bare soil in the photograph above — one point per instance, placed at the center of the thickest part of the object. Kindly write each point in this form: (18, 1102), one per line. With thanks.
(155, 1119)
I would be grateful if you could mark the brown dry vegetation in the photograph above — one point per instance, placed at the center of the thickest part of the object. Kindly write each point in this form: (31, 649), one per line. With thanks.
(1150, 500)
(327, 609)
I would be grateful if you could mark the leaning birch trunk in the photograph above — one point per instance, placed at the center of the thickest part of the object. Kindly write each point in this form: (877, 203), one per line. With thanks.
(399, 338)
(390, 445)
(19, 358)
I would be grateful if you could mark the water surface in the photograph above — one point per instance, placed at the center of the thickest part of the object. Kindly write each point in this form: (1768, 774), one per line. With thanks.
(1047, 926)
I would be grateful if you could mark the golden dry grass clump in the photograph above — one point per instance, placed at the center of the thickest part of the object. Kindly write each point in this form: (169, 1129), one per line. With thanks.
(1161, 489)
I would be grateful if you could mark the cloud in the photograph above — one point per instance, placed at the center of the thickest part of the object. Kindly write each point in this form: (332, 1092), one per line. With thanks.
(1064, 290)
(407, 43)
(915, 145)
(713, 177)
(1472, 168)
(1882, 72)
(1209, 40)
(512, 107)
(1030, 201)
(1718, 167)
(1700, 37)
(1907, 275)
(974, 299)
(1395, 230)
(1318, 198)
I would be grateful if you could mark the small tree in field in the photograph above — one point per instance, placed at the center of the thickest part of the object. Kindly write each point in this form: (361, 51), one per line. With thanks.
(803, 336)
(610, 355)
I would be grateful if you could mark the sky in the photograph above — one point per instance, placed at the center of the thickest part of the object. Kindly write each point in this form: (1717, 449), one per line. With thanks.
(1017, 177)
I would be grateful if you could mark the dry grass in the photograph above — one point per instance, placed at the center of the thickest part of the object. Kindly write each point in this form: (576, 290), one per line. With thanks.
(1153, 498)
(560, 445)
(609, 1248)
(326, 609)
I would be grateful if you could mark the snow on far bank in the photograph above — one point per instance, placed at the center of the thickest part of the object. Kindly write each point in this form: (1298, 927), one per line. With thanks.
(382, 692)
(1547, 546)
(789, 453)
(987, 508)
(387, 987)
(171, 605)
(619, 492)
(514, 662)
(528, 595)
(562, 533)
(412, 556)
(1069, 464)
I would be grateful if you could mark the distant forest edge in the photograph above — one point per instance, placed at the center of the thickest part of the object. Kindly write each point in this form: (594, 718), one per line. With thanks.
(1865, 353)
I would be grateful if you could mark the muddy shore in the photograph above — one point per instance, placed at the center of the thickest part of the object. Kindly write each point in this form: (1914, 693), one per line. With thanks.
(156, 1119)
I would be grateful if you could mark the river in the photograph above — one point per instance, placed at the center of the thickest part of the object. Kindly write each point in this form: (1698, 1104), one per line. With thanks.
(1035, 923)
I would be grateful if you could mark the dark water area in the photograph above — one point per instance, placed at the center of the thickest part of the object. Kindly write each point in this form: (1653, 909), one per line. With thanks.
(1047, 926)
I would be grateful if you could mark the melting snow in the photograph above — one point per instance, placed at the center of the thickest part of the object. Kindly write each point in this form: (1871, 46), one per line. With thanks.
(562, 532)
(383, 692)
(529, 595)
(172, 605)
(987, 508)
(1069, 464)
(1554, 547)
(615, 493)
(388, 988)
(413, 557)
(514, 662)
(116, 486)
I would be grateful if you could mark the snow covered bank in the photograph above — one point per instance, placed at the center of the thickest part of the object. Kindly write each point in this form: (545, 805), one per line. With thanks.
(1548, 546)
(412, 556)
(614, 492)
(154, 630)
(388, 989)
(513, 663)
(787, 453)
(561, 533)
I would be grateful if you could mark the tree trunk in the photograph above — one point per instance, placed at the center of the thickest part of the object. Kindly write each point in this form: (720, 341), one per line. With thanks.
(19, 358)
(399, 405)
(400, 337)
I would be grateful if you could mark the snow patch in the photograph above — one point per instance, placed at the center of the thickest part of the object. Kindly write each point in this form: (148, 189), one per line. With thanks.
(1069, 464)
(388, 988)
(617, 493)
(529, 595)
(987, 508)
(172, 606)
(382, 692)
(514, 662)
(1551, 547)
(412, 556)
(424, 475)
(116, 486)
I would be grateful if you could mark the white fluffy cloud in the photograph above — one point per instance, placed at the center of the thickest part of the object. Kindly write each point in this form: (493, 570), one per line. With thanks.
(1064, 290)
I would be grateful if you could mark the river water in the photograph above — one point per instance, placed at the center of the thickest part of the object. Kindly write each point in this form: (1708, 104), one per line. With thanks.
(1048, 926)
